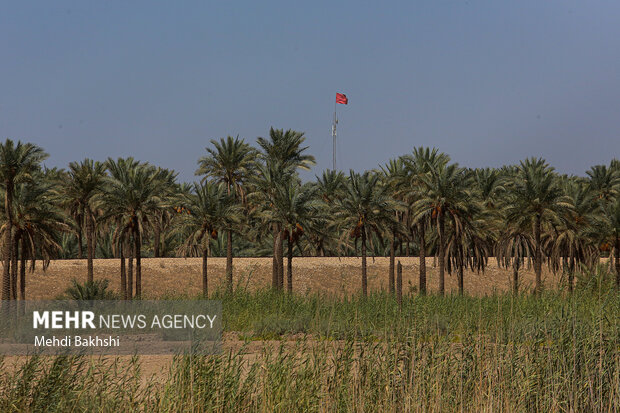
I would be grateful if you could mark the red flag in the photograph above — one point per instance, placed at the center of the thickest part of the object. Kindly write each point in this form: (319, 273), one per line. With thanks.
(341, 98)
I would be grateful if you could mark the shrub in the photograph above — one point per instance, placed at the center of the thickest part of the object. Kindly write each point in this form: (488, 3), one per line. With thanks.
(96, 290)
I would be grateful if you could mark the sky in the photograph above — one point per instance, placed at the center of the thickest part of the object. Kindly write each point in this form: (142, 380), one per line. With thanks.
(488, 82)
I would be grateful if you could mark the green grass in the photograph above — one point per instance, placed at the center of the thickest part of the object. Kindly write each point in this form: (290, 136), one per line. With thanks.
(269, 315)
(551, 353)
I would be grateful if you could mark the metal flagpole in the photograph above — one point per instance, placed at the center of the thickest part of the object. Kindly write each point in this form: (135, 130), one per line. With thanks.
(334, 137)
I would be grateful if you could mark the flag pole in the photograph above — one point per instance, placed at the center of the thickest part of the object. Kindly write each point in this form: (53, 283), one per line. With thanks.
(334, 137)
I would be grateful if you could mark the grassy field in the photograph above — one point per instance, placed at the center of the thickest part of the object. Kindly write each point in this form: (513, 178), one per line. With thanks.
(327, 351)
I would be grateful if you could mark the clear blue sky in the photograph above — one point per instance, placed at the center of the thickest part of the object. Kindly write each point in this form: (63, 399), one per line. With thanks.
(489, 82)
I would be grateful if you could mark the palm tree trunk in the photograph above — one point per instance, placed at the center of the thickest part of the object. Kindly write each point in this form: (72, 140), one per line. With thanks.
(94, 240)
(571, 274)
(14, 257)
(281, 262)
(422, 259)
(442, 256)
(89, 247)
(8, 245)
(460, 271)
(123, 272)
(538, 255)
(205, 281)
(274, 265)
(515, 277)
(22, 271)
(565, 268)
(138, 263)
(364, 275)
(229, 262)
(130, 270)
(399, 285)
(289, 267)
(79, 242)
(392, 263)
(278, 260)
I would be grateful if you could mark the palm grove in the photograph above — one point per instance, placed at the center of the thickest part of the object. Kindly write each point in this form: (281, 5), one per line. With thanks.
(250, 201)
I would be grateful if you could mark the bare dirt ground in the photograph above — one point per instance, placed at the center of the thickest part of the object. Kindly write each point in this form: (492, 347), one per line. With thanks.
(157, 368)
(329, 275)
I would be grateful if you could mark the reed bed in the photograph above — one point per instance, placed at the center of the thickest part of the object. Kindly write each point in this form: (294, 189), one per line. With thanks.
(549, 353)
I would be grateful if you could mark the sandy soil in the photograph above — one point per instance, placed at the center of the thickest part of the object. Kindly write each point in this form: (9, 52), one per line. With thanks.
(334, 276)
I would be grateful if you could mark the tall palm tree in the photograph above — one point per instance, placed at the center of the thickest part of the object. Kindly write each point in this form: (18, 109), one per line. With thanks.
(38, 224)
(604, 182)
(514, 246)
(535, 200)
(285, 150)
(490, 185)
(419, 164)
(18, 162)
(330, 186)
(133, 196)
(230, 162)
(395, 175)
(365, 209)
(467, 241)
(295, 207)
(163, 218)
(572, 240)
(79, 195)
(269, 178)
(207, 210)
(446, 191)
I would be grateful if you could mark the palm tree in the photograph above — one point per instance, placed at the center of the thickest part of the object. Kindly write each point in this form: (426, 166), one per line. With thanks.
(330, 186)
(467, 241)
(206, 210)
(419, 164)
(38, 224)
(365, 209)
(79, 195)
(394, 174)
(269, 178)
(572, 241)
(283, 150)
(445, 192)
(514, 246)
(535, 200)
(18, 162)
(295, 207)
(604, 182)
(230, 162)
(490, 186)
(134, 194)
(163, 218)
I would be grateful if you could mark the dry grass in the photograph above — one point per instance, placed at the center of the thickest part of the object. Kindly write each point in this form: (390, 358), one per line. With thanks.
(334, 276)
